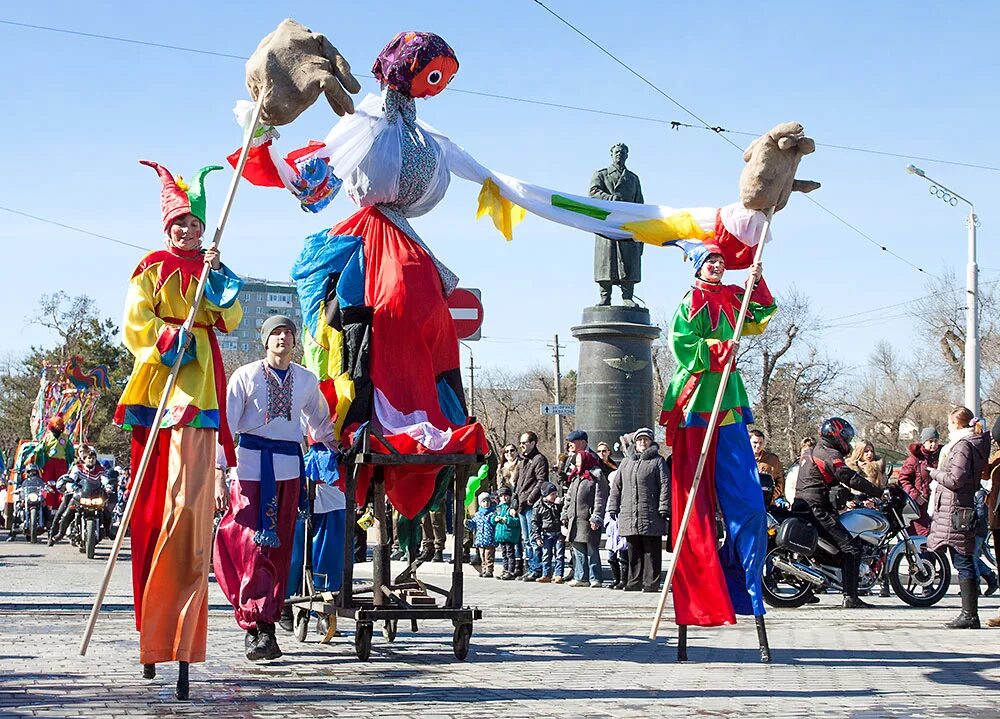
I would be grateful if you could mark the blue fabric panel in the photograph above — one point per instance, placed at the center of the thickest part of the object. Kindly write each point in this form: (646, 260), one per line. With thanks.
(329, 531)
(737, 487)
(351, 287)
(450, 406)
(223, 287)
(324, 254)
(170, 356)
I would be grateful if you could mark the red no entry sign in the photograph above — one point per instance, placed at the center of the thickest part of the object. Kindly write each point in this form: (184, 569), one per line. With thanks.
(466, 312)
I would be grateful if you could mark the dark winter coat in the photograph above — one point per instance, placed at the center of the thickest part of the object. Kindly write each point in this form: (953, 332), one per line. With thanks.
(532, 475)
(544, 519)
(957, 481)
(586, 501)
(640, 493)
(508, 525)
(915, 479)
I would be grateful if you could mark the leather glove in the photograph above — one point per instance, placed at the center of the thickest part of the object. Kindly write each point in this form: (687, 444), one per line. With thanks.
(664, 516)
(613, 515)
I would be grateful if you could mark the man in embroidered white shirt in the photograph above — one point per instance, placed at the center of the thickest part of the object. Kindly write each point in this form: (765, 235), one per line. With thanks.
(272, 405)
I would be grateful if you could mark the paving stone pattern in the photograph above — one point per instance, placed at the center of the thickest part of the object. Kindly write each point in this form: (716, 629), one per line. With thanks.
(540, 651)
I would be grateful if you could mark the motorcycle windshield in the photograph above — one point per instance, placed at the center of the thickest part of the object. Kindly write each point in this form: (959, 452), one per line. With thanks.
(33, 485)
(91, 488)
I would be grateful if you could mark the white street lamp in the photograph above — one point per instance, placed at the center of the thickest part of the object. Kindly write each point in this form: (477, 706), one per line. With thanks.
(972, 362)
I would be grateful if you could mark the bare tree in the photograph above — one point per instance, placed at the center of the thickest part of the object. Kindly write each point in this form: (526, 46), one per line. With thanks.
(890, 392)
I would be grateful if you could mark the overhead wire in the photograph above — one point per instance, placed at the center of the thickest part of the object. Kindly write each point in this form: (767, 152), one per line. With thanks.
(530, 101)
(717, 129)
(74, 229)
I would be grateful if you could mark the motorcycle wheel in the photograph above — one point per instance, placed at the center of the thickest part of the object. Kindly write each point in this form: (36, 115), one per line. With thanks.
(33, 525)
(780, 589)
(91, 534)
(916, 592)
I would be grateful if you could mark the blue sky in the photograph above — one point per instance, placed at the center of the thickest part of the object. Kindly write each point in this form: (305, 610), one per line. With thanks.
(911, 77)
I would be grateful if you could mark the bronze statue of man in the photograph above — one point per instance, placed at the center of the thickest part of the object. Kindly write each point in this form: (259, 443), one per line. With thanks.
(617, 262)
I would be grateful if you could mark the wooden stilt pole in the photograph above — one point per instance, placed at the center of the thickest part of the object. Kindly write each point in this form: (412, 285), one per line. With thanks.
(154, 429)
(710, 432)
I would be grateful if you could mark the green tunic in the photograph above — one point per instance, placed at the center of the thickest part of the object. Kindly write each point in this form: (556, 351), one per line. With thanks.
(701, 339)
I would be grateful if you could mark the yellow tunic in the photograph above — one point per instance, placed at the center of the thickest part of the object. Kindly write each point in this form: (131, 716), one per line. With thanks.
(160, 295)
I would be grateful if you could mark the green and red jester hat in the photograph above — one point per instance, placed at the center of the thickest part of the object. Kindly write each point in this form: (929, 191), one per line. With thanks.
(177, 198)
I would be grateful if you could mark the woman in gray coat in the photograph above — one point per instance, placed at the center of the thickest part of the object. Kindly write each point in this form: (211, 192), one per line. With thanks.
(583, 513)
(640, 500)
(953, 503)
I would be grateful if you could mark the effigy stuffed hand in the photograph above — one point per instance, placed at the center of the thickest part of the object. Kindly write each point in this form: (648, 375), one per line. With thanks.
(772, 159)
(292, 66)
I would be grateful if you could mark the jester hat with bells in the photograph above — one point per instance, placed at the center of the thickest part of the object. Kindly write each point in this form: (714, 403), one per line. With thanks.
(177, 198)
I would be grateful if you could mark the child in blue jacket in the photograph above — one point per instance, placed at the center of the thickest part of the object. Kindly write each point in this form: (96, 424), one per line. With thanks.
(483, 524)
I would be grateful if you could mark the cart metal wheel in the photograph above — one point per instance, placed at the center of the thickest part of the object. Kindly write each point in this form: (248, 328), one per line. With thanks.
(363, 640)
(461, 640)
(389, 629)
(301, 624)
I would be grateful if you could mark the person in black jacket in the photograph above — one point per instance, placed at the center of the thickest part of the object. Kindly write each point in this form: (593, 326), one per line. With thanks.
(545, 529)
(823, 468)
(532, 476)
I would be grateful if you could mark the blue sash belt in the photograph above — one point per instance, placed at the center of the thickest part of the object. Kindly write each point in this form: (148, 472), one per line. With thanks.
(267, 512)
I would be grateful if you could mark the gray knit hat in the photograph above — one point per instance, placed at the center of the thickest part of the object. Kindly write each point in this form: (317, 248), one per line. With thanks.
(274, 322)
(928, 433)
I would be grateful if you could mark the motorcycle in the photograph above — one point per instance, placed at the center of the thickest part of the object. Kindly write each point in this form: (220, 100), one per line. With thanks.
(90, 505)
(30, 507)
(801, 563)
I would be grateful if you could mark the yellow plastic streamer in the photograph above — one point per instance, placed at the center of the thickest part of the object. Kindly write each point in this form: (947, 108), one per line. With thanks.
(505, 213)
(664, 230)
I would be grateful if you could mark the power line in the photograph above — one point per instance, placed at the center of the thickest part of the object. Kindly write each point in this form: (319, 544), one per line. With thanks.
(674, 124)
(75, 229)
(128, 40)
(717, 129)
(641, 77)
(530, 101)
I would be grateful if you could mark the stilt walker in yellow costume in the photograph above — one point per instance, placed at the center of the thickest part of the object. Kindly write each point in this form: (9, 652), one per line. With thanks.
(171, 528)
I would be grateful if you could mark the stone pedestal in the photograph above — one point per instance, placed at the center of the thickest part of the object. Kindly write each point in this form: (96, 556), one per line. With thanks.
(614, 390)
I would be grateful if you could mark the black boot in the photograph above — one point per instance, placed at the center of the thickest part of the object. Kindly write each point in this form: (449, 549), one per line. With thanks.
(969, 618)
(991, 583)
(250, 644)
(267, 643)
(518, 568)
(149, 671)
(616, 573)
(849, 575)
(183, 690)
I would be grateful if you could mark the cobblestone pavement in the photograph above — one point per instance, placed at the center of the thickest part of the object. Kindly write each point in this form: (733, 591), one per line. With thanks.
(539, 651)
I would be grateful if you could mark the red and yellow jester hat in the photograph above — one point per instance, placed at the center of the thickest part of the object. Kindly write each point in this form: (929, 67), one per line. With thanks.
(177, 198)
